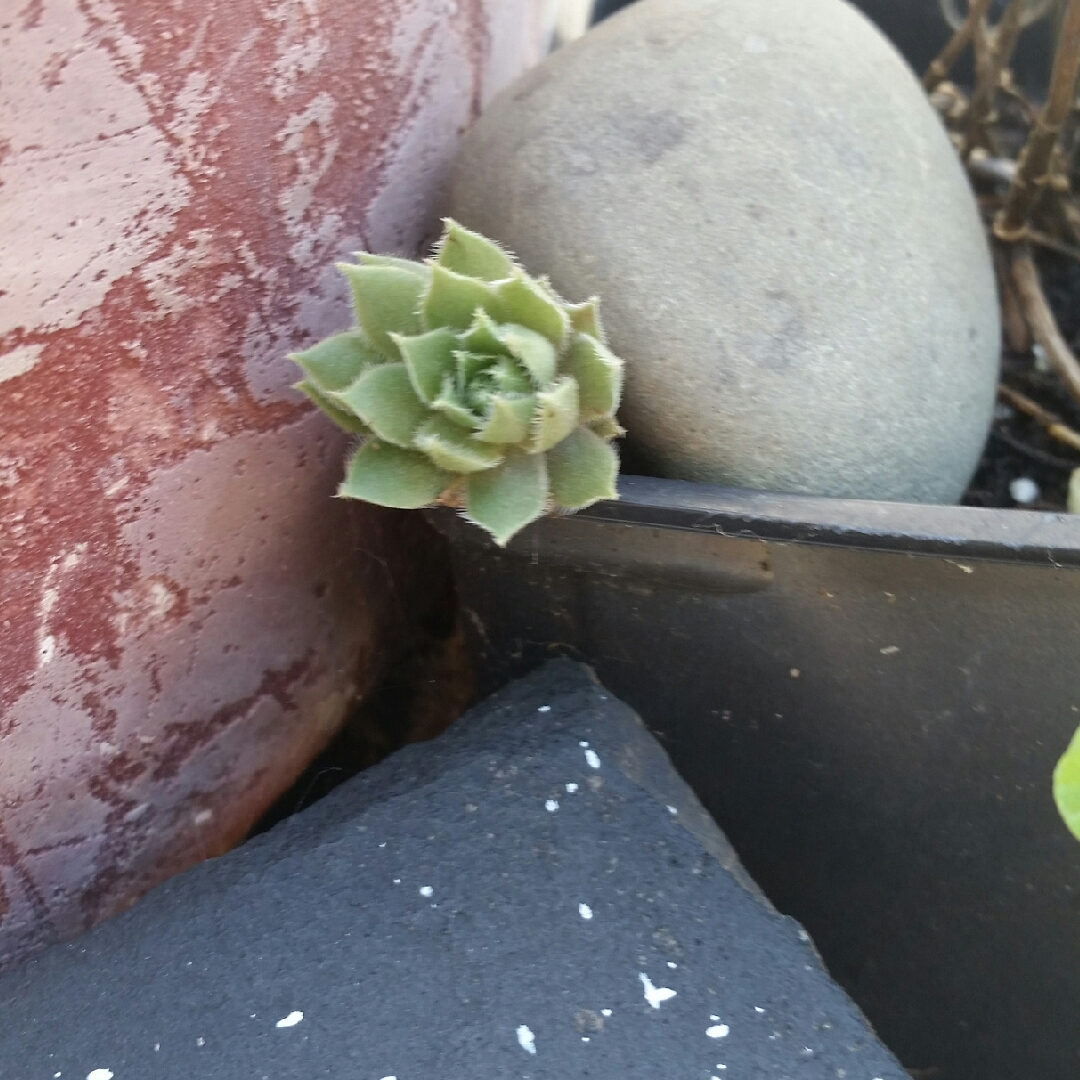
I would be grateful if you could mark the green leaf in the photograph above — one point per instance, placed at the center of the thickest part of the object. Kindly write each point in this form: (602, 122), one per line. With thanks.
(607, 427)
(508, 420)
(510, 377)
(599, 375)
(1067, 786)
(536, 353)
(452, 299)
(582, 469)
(470, 364)
(473, 255)
(521, 300)
(383, 397)
(556, 415)
(585, 318)
(386, 300)
(506, 499)
(337, 361)
(454, 449)
(340, 417)
(389, 476)
(451, 406)
(428, 358)
(410, 265)
(482, 335)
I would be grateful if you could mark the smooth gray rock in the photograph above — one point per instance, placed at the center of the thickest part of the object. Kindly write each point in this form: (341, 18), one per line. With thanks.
(498, 903)
(788, 252)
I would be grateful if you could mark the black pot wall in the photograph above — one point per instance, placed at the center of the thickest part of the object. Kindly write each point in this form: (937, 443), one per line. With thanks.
(870, 699)
(918, 30)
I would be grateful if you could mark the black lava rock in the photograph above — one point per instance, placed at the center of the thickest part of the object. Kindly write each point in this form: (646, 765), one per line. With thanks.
(535, 894)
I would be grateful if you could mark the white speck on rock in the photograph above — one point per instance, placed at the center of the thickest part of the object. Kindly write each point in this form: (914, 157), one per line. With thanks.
(889, 650)
(526, 1039)
(584, 1038)
(803, 935)
(203, 816)
(98, 1074)
(426, 890)
(718, 1031)
(584, 911)
(758, 1009)
(291, 1020)
(671, 964)
(583, 744)
(544, 708)
(551, 805)
(591, 759)
(383, 844)
(397, 881)
(672, 809)
(713, 1016)
(655, 995)
(571, 788)
(200, 1041)
(389, 1078)
(1024, 490)
(605, 1012)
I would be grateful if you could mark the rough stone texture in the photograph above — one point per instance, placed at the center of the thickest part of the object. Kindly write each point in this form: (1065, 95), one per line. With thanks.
(185, 614)
(788, 252)
(423, 914)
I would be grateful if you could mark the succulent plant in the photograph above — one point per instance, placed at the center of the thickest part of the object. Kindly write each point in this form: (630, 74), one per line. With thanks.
(473, 384)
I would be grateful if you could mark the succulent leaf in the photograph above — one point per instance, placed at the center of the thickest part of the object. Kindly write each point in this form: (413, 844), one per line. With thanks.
(365, 258)
(389, 476)
(509, 419)
(428, 357)
(582, 469)
(598, 373)
(536, 353)
(556, 415)
(454, 449)
(521, 300)
(585, 318)
(386, 300)
(452, 299)
(336, 361)
(469, 253)
(450, 404)
(383, 397)
(506, 499)
(474, 384)
(342, 417)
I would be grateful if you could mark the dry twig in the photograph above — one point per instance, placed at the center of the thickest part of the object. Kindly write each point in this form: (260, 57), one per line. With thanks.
(1034, 166)
(1000, 48)
(1013, 322)
(1052, 423)
(942, 64)
(1040, 318)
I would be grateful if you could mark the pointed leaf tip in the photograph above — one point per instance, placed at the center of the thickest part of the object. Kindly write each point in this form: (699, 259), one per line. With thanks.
(467, 252)
(336, 361)
(506, 499)
(389, 476)
(386, 300)
(582, 469)
(384, 398)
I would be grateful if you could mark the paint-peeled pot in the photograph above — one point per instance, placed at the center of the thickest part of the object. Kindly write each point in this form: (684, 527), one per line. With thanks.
(185, 612)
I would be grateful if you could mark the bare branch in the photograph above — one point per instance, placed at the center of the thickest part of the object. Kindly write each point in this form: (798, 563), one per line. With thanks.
(1033, 170)
(942, 64)
(1041, 319)
(1053, 425)
(1001, 45)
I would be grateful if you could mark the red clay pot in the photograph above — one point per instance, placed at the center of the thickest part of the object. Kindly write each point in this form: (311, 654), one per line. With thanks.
(185, 613)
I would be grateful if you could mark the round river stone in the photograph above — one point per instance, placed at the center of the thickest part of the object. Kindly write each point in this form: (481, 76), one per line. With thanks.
(788, 252)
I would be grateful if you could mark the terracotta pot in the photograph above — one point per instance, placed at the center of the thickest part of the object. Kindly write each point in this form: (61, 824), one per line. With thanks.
(186, 614)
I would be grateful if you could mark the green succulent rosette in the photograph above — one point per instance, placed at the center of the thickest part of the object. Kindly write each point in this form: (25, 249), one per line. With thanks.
(473, 384)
